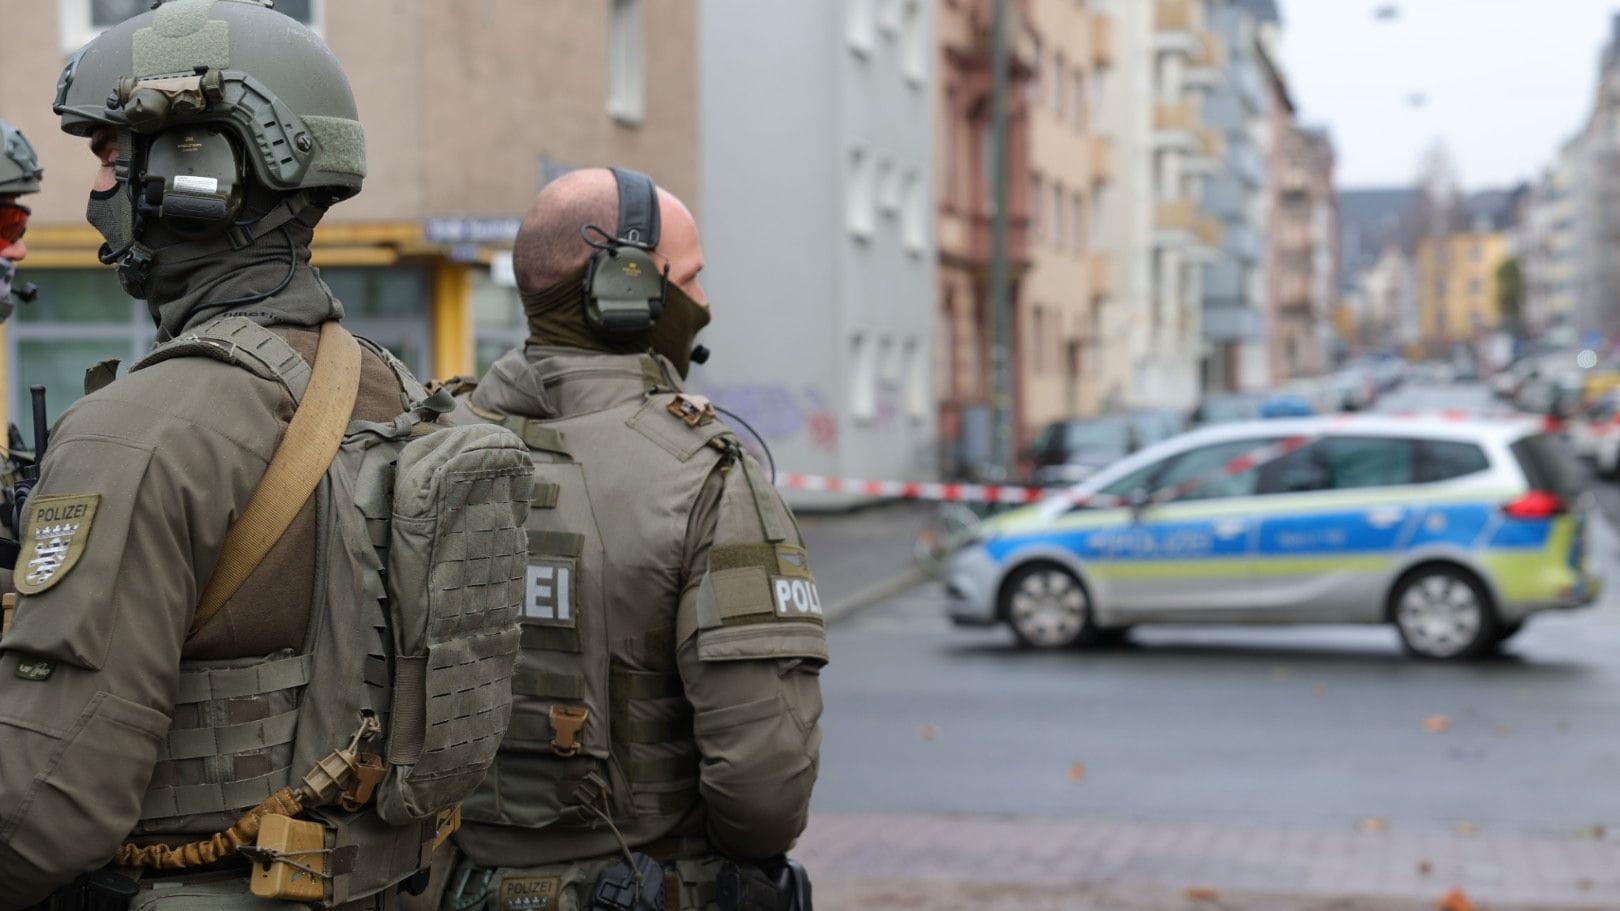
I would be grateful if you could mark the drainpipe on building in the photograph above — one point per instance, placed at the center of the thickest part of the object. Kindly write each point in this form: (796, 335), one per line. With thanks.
(1000, 303)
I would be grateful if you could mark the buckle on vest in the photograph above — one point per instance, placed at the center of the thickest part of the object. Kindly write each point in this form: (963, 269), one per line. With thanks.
(693, 409)
(566, 723)
(369, 772)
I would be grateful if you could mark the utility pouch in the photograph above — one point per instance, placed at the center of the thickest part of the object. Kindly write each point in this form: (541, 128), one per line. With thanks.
(784, 886)
(290, 860)
(617, 889)
(101, 890)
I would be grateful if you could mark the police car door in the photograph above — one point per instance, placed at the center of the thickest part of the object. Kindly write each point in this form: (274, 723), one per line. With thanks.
(1191, 554)
(1337, 514)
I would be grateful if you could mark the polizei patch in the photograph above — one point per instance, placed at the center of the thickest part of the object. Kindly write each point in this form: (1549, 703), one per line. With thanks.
(530, 893)
(54, 534)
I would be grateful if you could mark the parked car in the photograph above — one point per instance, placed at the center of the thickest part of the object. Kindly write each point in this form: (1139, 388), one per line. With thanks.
(1596, 435)
(1072, 450)
(1454, 531)
(1225, 408)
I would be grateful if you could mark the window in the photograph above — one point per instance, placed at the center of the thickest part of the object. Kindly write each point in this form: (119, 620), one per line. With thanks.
(888, 188)
(1077, 98)
(1037, 340)
(389, 306)
(914, 44)
(82, 20)
(863, 379)
(859, 200)
(1077, 223)
(1058, 232)
(860, 26)
(499, 324)
(1341, 463)
(1208, 463)
(1060, 78)
(914, 213)
(82, 316)
(1442, 460)
(627, 62)
(1037, 204)
(917, 398)
(1037, 79)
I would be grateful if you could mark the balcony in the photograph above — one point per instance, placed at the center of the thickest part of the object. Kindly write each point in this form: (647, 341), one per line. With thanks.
(1101, 149)
(981, 231)
(1101, 267)
(1206, 63)
(1176, 116)
(1179, 221)
(1102, 40)
(1208, 151)
(1175, 24)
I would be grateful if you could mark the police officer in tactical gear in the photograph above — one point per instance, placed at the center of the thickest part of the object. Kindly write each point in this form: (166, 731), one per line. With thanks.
(214, 672)
(20, 174)
(665, 732)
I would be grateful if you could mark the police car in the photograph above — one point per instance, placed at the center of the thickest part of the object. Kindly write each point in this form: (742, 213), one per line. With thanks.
(1455, 531)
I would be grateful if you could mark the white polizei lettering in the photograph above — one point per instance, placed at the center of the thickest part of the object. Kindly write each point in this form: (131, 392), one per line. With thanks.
(564, 601)
(797, 597)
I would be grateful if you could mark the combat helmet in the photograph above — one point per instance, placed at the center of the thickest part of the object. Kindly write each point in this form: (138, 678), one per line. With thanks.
(19, 167)
(261, 76)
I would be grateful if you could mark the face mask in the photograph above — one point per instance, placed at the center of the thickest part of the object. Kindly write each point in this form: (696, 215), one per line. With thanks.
(678, 327)
(112, 214)
(8, 272)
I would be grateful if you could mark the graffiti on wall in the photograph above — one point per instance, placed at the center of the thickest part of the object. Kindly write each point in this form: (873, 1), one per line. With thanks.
(779, 412)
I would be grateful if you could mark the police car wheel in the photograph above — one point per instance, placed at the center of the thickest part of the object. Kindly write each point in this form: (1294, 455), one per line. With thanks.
(1047, 607)
(1442, 612)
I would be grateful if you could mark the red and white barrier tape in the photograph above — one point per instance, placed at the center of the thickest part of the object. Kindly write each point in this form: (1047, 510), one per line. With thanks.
(1006, 493)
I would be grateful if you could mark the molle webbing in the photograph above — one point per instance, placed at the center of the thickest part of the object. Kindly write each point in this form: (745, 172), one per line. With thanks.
(199, 799)
(239, 682)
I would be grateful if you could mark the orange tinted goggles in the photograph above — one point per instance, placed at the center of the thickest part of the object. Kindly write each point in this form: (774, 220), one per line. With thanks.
(13, 222)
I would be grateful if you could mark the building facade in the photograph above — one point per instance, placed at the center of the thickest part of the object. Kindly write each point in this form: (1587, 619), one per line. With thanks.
(817, 130)
(1235, 303)
(1547, 244)
(454, 161)
(1457, 277)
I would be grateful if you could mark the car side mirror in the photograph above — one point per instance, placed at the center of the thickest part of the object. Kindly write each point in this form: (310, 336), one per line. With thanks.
(1139, 500)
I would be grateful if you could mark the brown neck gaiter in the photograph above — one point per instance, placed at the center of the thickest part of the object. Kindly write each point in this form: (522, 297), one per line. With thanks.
(557, 318)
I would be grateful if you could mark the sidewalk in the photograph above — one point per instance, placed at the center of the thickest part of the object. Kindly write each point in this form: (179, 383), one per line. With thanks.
(958, 863)
(864, 555)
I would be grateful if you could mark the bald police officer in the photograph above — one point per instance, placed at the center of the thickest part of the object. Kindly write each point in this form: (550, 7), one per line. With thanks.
(666, 724)
(208, 663)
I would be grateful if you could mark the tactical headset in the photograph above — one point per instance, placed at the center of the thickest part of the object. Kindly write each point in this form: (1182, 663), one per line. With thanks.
(191, 180)
(624, 287)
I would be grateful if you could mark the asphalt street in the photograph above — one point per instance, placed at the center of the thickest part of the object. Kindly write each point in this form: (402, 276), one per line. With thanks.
(1319, 728)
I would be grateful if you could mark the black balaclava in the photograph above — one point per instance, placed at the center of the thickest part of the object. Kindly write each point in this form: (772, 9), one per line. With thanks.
(192, 281)
(557, 318)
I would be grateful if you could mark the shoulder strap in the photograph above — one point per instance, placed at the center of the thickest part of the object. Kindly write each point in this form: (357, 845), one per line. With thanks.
(299, 463)
(240, 341)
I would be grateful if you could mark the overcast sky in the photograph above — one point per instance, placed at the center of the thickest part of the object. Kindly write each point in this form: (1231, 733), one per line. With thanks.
(1505, 81)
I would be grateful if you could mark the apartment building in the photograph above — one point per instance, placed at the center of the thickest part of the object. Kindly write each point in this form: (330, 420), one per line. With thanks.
(1070, 169)
(818, 146)
(1235, 303)
(1547, 243)
(1154, 227)
(468, 109)
(1457, 278)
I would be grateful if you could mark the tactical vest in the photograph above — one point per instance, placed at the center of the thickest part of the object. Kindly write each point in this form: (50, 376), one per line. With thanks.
(419, 577)
(596, 735)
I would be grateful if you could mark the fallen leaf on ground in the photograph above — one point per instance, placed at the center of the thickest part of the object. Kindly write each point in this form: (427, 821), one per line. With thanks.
(1437, 724)
(928, 731)
(1425, 868)
(1202, 894)
(1593, 832)
(1320, 690)
(1374, 824)
(1563, 726)
(1503, 730)
(1456, 900)
(1467, 829)
(1280, 673)
(1077, 771)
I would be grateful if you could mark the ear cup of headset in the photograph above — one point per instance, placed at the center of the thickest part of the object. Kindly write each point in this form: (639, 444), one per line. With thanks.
(192, 181)
(624, 291)
(624, 287)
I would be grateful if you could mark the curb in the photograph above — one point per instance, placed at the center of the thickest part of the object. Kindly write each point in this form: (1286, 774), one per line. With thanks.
(872, 594)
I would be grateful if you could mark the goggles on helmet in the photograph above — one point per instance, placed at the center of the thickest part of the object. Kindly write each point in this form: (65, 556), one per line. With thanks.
(13, 222)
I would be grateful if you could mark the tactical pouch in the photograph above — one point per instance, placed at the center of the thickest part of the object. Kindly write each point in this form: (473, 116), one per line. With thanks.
(454, 579)
(617, 888)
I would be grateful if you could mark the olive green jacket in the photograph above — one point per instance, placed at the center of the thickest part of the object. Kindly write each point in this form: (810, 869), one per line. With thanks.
(669, 512)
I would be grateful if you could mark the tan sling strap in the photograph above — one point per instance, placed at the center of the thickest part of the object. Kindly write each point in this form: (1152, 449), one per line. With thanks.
(299, 463)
